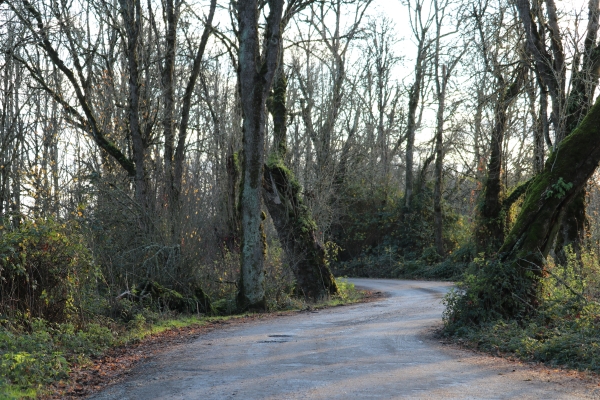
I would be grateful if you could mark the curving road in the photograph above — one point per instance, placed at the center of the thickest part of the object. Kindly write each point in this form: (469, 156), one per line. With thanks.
(378, 350)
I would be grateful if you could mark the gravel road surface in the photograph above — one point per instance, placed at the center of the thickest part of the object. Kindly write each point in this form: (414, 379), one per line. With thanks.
(378, 350)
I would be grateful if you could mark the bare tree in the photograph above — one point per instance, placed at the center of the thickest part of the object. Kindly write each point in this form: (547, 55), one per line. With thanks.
(544, 40)
(420, 27)
(508, 79)
(443, 68)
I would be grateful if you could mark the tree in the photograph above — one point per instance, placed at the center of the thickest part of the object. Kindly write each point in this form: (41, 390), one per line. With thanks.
(420, 30)
(380, 102)
(256, 70)
(509, 77)
(293, 221)
(174, 148)
(569, 108)
(442, 72)
(530, 240)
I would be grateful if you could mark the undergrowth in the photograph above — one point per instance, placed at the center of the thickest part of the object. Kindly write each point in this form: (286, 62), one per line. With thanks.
(564, 331)
(386, 263)
(381, 238)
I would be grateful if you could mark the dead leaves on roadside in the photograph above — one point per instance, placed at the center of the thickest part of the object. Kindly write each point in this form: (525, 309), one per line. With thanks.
(117, 363)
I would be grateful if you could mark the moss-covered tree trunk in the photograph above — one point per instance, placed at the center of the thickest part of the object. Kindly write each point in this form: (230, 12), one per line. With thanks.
(297, 233)
(567, 112)
(525, 249)
(574, 222)
(256, 73)
(292, 218)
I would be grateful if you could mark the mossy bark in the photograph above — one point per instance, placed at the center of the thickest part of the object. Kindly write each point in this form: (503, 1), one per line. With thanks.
(292, 218)
(574, 222)
(572, 229)
(550, 194)
(297, 233)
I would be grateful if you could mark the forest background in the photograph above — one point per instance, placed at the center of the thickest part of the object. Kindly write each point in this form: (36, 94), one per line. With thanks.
(216, 157)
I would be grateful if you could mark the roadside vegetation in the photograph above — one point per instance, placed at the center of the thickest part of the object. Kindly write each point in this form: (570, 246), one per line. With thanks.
(564, 330)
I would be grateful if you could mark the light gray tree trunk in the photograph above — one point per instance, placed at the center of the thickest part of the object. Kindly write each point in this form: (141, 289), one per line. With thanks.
(256, 73)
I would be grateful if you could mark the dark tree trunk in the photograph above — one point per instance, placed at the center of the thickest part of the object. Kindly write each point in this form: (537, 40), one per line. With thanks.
(411, 125)
(551, 193)
(233, 195)
(439, 163)
(171, 15)
(132, 19)
(490, 230)
(292, 219)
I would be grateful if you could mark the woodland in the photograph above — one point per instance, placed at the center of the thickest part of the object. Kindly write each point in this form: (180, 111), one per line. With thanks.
(204, 157)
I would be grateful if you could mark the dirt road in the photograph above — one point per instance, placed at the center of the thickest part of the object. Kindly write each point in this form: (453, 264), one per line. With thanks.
(378, 350)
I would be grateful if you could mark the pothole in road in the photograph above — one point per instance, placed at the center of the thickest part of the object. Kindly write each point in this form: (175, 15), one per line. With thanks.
(277, 338)
(273, 341)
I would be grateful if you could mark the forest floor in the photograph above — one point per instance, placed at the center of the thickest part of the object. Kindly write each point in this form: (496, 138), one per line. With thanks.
(380, 349)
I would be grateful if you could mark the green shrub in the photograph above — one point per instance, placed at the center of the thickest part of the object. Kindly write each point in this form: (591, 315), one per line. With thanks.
(564, 330)
(46, 271)
(380, 238)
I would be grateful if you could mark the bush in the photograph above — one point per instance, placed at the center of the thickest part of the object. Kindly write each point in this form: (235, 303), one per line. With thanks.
(46, 271)
(564, 330)
(380, 238)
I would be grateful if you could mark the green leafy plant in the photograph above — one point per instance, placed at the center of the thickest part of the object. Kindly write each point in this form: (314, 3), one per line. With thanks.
(559, 189)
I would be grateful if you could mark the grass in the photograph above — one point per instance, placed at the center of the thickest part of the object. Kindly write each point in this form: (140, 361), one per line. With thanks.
(12, 392)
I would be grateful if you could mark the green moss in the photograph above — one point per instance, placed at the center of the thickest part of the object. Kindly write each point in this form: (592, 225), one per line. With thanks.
(293, 220)
(237, 162)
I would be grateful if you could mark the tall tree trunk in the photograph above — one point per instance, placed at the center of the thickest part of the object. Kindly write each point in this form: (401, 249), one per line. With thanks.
(132, 19)
(411, 126)
(490, 229)
(439, 163)
(255, 77)
(233, 194)
(551, 193)
(171, 16)
(540, 126)
(292, 219)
